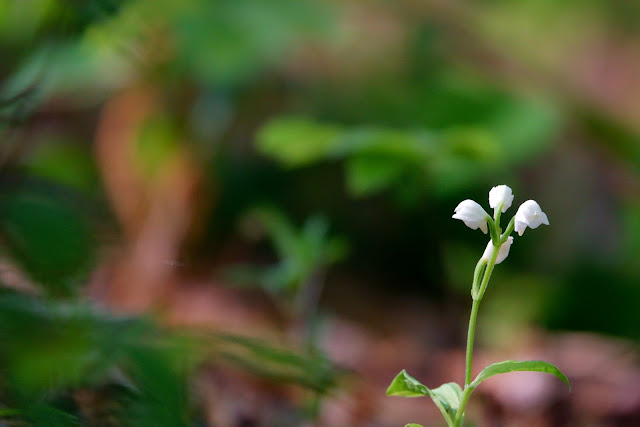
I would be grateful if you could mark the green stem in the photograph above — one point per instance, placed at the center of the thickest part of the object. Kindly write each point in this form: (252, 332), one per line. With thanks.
(471, 334)
(496, 216)
(493, 230)
(470, 338)
(509, 230)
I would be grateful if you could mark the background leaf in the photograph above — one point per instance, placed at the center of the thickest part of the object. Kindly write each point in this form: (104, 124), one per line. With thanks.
(50, 237)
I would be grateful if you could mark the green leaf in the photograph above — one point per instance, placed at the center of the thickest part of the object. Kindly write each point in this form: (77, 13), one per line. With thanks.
(405, 385)
(64, 163)
(82, 345)
(413, 425)
(513, 366)
(48, 236)
(280, 365)
(446, 397)
(302, 251)
(449, 395)
(296, 141)
(367, 174)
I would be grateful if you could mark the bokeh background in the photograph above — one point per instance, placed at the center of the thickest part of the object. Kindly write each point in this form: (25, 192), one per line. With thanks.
(238, 213)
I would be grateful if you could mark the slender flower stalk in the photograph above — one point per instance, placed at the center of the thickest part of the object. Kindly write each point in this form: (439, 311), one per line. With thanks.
(471, 334)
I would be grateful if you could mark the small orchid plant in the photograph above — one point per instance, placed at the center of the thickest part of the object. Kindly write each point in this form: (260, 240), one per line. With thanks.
(451, 398)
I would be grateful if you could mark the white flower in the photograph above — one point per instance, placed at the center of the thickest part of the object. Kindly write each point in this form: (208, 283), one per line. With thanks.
(472, 214)
(501, 194)
(502, 254)
(529, 215)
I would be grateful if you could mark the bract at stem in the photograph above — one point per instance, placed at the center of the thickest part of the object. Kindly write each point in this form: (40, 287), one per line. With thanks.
(477, 276)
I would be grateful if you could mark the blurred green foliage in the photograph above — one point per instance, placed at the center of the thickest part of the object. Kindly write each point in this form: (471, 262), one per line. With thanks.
(53, 351)
(61, 163)
(50, 238)
(211, 43)
(52, 348)
(418, 161)
(282, 366)
(302, 253)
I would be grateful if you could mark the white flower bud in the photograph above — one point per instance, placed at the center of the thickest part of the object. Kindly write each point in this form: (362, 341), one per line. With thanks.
(529, 215)
(502, 254)
(501, 194)
(472, 214)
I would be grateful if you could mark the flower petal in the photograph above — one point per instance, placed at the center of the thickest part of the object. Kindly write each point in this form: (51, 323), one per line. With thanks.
(501, 194)
(503, 252)
(472, 214)
(529, 214)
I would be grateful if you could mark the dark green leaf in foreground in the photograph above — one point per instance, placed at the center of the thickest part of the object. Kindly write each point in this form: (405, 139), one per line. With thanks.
(405, 385)
(514, 366)
(82, 345)
(49, 348)
(48, 236)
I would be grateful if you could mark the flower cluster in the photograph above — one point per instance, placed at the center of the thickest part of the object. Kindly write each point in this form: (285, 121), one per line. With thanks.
(529, 214)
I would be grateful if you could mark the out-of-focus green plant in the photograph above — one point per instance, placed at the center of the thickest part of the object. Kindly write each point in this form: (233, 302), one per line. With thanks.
(47, 235)
(212, 43)
(411, 161)
(303, 253)
(450, 398)
(280, 365)
(55, 352)
(298, 278)
(74, 55)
